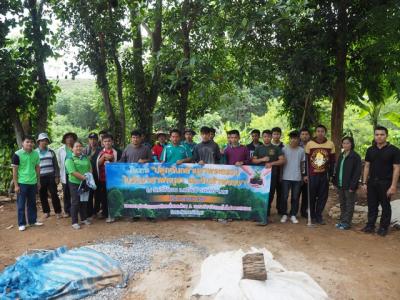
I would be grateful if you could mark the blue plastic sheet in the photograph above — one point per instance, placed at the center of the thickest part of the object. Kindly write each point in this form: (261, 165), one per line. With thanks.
(60, 273)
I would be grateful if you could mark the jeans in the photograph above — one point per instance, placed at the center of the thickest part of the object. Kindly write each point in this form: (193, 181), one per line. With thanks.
(48, 183)
(294, 188)
(319, 188)
(27, 196)
(93, 205)
(376, 194)
(76, 205)
(347, 201)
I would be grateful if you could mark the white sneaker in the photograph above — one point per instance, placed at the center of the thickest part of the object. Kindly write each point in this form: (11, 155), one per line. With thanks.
(110, 220)
(293, 219)
(284, 219)
(76, 226)
(38, 224)
(86, 222)
(21, 228)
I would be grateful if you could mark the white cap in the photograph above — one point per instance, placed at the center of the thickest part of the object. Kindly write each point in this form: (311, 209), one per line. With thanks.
(42, 136)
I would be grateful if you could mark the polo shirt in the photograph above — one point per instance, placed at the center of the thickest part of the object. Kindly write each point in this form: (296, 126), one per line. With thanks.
(271, 151)
(188, 145)
(47, 160)
(77, 164)
(252, 148)
(26, 162)
(340, 181)
(382, 161)
(172, 153)
(68, 152)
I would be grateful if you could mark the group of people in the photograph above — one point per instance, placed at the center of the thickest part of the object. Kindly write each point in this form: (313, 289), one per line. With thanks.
(302, 169)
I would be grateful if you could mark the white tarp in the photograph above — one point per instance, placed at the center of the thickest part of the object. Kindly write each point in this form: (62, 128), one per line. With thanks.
(221, 277)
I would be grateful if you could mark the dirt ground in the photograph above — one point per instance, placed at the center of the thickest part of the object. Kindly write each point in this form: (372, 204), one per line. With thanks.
(347, 264)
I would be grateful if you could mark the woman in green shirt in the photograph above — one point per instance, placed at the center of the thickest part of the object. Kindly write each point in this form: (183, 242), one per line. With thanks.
(77, 166)
(347, 176)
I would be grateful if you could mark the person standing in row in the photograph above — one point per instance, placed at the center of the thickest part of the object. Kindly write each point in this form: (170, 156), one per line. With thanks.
(292, 176)
(347, 176)
(159, 146)
(321, 164)
(136, 151)
(206, 152)
(276, 141)
(77, 166)
(305, 136)
(49, 176)
(26, 173)
(107, 155)
(92, 151)
(269, 156)
(235, 153)
(255, 141)
(188, 142)
(63, 153)
(380, 178)
(175, 152)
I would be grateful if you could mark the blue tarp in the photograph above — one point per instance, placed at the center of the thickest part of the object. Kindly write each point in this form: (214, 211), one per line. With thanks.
(60, 273)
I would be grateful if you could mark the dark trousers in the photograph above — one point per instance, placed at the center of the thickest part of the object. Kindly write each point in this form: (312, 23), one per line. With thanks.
(347, 201)
(67, 197)
(27, 197)
(304, 200)
(76, 205)
(272, 190)
(376, 194)
(319, 188)
(93, 204)
(48, 183)
(294, 188)
(102, 195)
(279, 192)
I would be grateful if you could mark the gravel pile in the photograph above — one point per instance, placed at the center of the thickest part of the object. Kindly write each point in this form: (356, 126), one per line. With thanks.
(134, 253)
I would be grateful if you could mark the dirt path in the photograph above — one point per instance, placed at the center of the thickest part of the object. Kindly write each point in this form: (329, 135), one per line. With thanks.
(348, 265)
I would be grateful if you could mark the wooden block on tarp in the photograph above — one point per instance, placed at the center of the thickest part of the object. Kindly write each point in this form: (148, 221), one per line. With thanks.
(254, 266)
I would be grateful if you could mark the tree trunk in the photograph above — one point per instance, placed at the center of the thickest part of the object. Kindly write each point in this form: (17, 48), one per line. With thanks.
(102, 83)
(339, 97)
(42, 94)
(186, 82)
(118, 69)
(18, 128)
(146, 101)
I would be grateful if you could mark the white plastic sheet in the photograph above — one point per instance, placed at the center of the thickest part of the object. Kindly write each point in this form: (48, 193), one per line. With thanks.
(221, 278)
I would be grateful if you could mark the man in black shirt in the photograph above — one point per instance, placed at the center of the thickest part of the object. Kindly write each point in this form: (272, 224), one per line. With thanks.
(255, 141)
(381, 174)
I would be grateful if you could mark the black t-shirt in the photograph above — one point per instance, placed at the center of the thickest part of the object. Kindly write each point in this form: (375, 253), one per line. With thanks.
(382, 161)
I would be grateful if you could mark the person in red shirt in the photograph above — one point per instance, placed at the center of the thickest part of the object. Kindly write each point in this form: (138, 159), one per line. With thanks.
(107, 154)
(159, 146)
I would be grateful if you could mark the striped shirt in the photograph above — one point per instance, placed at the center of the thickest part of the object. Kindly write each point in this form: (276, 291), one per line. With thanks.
(46, 162)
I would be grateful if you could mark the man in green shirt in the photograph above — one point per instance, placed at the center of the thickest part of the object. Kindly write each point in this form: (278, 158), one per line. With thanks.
(269, 156)
(175, 152)
(26, 172)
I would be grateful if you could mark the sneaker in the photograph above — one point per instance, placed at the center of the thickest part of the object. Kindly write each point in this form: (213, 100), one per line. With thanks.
(110, 220)
(47, 215)
(344, 227)
(382, 231)
(284, 219)
(38, 224)
(86, 222)
(293, 219)
(76, 226)
(58, 216)
(21, 228)
(65, 215)
(368, 229)
(338, 225)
